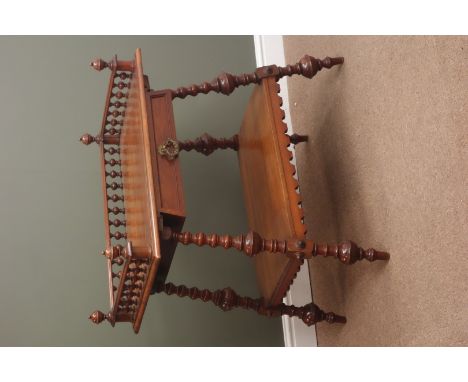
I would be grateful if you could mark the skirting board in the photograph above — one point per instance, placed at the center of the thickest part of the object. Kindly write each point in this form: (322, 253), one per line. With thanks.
(269, 50)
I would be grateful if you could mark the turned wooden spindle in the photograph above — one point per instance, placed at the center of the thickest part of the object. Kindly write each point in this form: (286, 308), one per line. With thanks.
(116, 210)
(115, 198)
(122, 75)
(114, 186)
(117, 223)
(118, 104)
(226, 83)
(115, 122)
(119, 95)
(118, 261)
(227, 299)
(251, 243)
(112, 162)
(111, 131)
(118, 235)
(111, 151)
(116, 113)
(114, 174)
(206, 144)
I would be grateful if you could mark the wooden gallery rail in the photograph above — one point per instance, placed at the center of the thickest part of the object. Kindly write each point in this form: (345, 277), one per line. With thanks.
(144, 207)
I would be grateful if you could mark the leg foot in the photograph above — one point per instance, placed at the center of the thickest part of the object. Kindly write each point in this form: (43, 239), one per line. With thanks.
(226, 83)
(348, 252)
(296, 138)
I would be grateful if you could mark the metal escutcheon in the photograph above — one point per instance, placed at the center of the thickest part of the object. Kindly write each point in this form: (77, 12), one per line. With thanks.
(170, 149)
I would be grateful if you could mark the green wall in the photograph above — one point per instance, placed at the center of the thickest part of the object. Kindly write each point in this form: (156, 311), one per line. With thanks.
(52, 276)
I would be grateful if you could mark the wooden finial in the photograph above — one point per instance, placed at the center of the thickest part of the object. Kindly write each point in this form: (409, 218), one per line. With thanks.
(115, 251)
(99, 64)
(87, 139)
(97, 317)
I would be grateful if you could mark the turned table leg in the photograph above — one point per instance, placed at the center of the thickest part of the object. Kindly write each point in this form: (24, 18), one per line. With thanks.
(252, 243)
(206, 144)
(226, 83)
(227, 299)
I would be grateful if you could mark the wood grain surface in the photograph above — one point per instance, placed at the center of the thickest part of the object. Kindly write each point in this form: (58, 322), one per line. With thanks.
(139, 191)
(270, 189)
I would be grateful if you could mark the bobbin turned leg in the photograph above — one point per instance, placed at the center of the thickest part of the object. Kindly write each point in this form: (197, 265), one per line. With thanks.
(226, 83)
(252, 243)
(227, 299)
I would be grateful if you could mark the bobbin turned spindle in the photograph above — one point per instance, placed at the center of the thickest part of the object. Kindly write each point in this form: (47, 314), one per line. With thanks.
(252, 243)
(114, 186)
(227, 299)
(206, 144)
(226, 83)
(114, 174)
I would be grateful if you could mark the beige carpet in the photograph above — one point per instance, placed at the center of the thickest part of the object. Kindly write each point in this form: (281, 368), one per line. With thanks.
(387, 167)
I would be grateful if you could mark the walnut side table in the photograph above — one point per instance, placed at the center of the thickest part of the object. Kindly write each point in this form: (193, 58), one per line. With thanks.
(144, 208)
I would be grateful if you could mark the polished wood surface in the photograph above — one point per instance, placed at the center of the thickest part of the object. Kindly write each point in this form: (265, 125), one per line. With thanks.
(271, 200)
(139, 181)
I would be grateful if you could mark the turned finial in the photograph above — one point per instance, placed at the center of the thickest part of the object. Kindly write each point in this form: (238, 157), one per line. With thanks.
(97, 317)
(87, 139)
(115, 252)
(99, 64)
